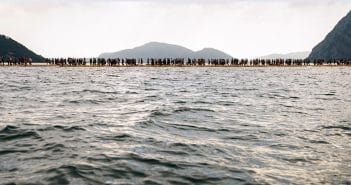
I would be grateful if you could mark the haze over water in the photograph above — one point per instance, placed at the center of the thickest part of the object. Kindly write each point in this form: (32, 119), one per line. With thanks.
(175, 125)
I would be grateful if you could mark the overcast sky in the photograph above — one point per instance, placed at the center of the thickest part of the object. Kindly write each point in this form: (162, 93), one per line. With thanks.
(242, 28)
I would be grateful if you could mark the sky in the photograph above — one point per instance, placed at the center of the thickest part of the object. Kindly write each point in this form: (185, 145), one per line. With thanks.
(241, 28)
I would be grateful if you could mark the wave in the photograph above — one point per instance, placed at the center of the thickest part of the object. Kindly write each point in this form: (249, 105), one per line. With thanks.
(117, 137)
(193, 128)
(158, 113)
(243, 138)
(12, 151)
(152, 161)
(87, 101)
(15, 133)
(55, 147)
(341, 127)
(67, 173)
(91, 91)
(64, 128)
(189, 109)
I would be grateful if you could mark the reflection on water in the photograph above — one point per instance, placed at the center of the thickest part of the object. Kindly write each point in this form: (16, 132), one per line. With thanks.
(175, 125)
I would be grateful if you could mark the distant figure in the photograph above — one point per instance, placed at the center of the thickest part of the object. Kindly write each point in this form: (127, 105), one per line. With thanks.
(2, 60)
(9, 61)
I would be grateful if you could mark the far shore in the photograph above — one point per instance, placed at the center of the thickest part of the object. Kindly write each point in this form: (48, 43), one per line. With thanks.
(35, 65)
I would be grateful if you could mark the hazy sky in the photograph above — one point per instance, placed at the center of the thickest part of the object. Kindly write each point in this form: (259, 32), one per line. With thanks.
(242, 28)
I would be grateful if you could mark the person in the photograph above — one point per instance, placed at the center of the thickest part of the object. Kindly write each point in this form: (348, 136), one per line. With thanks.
(9, 61)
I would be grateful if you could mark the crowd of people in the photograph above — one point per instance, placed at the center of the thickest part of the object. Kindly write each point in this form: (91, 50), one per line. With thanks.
(14, 61)
(191, 62)
(24, 61)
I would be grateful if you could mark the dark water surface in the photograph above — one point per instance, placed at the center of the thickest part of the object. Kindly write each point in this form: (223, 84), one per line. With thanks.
(175, 125)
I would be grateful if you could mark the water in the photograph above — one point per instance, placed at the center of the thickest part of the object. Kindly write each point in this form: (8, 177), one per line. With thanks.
(175, 125)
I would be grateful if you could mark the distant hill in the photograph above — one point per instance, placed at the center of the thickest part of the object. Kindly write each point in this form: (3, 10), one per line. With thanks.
(163, 50)
(294, 55)
(337, 44)
(209, 53)
(11, 48)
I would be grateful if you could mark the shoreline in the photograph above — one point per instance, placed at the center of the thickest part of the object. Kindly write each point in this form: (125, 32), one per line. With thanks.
(171, 66)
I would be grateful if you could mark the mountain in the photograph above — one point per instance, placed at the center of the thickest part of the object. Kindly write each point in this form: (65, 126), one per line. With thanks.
(163, 50)
(11, 48)
(209, 53)
(294, 55)
(337, 44)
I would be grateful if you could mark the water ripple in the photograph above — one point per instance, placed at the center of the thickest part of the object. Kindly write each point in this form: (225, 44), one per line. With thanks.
(175, 125)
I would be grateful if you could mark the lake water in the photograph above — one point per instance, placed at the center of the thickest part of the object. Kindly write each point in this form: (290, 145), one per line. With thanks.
(175, 125)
